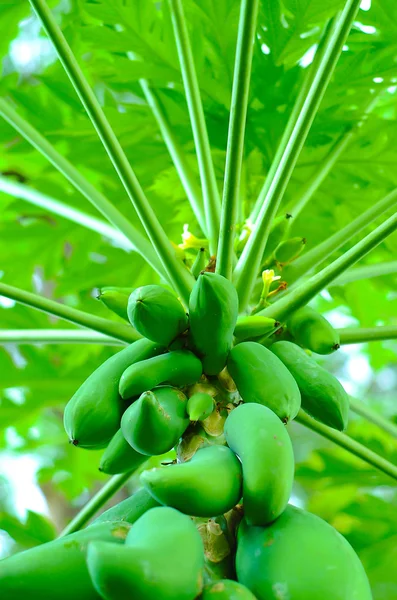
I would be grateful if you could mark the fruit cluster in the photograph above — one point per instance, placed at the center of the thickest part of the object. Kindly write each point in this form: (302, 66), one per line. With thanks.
(216, 522)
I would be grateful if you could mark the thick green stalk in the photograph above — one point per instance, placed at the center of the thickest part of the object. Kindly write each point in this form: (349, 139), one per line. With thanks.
(186, 175)
(136, 240)
(56, 336)
(318, 254)
(206, 166)
(367, 272)
(119, 331)
(373, 417)
(91, 508)
(235, 141)
(359, 335)
(248, 265)
(177, 273)
(303, 293)
(348, 444)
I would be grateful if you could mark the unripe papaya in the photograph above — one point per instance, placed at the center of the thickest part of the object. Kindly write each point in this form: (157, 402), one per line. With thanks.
(200, 406)
(287, 251)
(200, 262)
(162, 559)
(323, 397)
(119, 457)
(278, 232)
(227, 589)
(154, 423)
(207, 485)
(262, 443)
(57, 569)
(179, 368)
(213, 310)
(261, 379)
(253, 327)
(93, 414)
(156, 313)
(301, 557)
(311, 330)
(128, 510)
(116, 299)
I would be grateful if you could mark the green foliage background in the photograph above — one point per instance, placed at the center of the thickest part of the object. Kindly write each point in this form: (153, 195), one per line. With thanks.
(64, 261)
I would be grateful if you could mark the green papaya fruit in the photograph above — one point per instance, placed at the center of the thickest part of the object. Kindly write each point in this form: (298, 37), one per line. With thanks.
(156, 313)
(262, 379)
(116, 299)
(200, 262)
(323, 397)
(179, 368)
(227, 589)
(57, 569)
(287, 251)
(92, 416)
(154, 423)
(207, 485)
(262, 443)
(299, 557)
(200, 406)
(128, 510)
(278, 232)
(253, 327)
(119, 457)
(311, 330)
(213, 310)
(162, 559)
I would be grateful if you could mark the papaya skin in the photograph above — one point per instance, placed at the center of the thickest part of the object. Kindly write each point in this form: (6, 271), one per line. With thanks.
(163, 559)
(57, 569)
(128, 510)
(249, 327)
(227, 589)
(287, 251)
(278, 233)
(119, 457)
(200, 262)
(155, 422)
(261, 379)
(207, 485)
(213, 310)
(93, 414)
(263, 445)
(115, 299)
(177, 368)
(311, 330)
(299, 557)
(156, 313)
(323, 397)
(200, 406)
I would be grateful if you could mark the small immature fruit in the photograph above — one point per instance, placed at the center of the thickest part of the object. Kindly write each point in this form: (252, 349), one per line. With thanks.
(311, 330)
(179, 368)
(128, 510)
(116, 299)
(287, 251)
(162, 559)
(299, 557)
(154, 423)
(57, 569)
(200, 262)
(278, 233)
(207, 485)
(263, 445)
(213, 310)
(323, 397)
(227, 589)
(262, 378)
(253, 327)
(93, 414)
(156, 313)
(119, 457)
(200, 406)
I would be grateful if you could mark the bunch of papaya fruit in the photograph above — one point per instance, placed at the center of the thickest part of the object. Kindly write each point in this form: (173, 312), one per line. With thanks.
(219, 390)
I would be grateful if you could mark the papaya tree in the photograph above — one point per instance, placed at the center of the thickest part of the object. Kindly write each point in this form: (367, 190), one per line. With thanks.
(205, 191)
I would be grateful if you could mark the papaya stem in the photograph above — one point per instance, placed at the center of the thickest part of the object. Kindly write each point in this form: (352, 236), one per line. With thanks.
(122, 332)
(110, 488)
(367, 272)
(177, 273)
(248, 265)
(136, 240)
(373, 417)
(361, 335)
(348, 444)
(56, 336)
(235, 142)
(200, 134)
